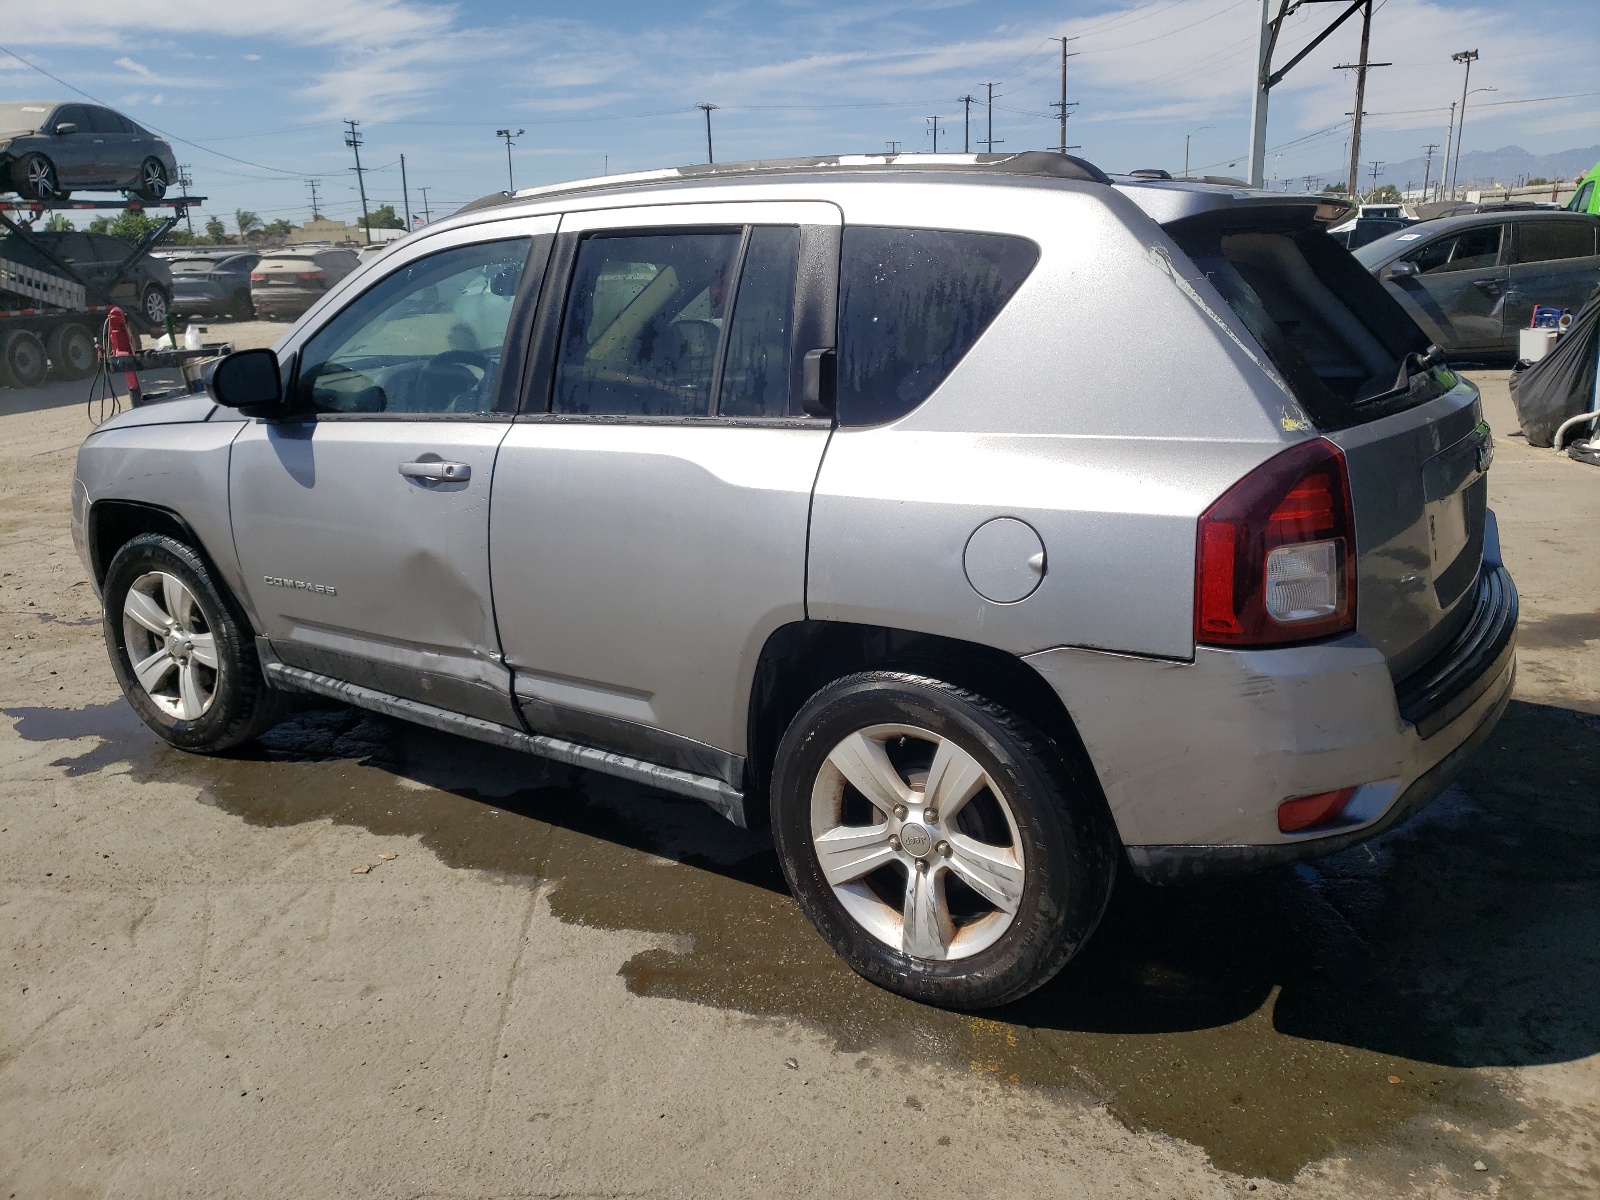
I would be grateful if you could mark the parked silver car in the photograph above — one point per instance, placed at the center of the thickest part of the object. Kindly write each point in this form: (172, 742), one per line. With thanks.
(982, 522)
(49, 148)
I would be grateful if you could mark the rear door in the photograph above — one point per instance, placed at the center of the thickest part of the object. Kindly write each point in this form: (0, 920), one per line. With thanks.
(1458, 292)
(650, 504)
(118, 159)
(1554, 264)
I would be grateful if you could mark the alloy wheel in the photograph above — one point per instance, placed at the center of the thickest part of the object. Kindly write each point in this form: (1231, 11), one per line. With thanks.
(153, 180)
(171, 647)
(155, 307)
(918, 843)
(41, 178)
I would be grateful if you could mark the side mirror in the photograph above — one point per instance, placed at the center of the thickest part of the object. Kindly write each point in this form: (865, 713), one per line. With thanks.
(1403, 270)
(817, 391)
(250, 381)
(67, 127)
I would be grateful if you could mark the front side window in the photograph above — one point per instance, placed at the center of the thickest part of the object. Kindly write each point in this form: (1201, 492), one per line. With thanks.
(1580, 202)
(912, 302)
(643, 323)
(1542, 241)
(1469, 250)
(426, 339)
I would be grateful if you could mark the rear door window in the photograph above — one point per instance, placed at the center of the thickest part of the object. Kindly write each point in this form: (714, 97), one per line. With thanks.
(912, 302)
(1542, 241)
(755, 372)
(643, 323)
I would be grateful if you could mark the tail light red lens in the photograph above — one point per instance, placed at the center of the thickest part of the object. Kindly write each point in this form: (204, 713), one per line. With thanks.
(1312, 812)
(1275, 558)
(310, 276)
(257, 277)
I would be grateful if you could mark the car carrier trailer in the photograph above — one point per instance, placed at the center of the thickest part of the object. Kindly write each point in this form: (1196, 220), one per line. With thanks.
(52, 320)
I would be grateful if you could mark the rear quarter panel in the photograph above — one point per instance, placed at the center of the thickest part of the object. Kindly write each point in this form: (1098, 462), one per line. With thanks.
(1110, 402)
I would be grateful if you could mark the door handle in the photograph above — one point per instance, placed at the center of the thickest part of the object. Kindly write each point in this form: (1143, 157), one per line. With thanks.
(1489, 287)
(444, 472)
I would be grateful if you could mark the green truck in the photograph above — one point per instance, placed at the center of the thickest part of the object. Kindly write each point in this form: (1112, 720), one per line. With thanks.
(1587, 198)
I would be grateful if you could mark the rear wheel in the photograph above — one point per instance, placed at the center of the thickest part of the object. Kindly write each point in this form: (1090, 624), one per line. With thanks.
(181, 651)
(35, 178)
(241, 308)
(152, 180)
(936, 840)
(24, 357)
(73, 354)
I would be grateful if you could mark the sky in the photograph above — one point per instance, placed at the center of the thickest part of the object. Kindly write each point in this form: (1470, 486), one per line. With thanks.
(253, 94)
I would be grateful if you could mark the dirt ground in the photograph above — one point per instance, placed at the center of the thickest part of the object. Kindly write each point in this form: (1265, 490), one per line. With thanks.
(370, 960)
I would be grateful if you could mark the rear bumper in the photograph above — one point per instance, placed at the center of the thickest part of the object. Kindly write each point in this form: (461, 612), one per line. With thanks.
(208, 306)
(1195, 758)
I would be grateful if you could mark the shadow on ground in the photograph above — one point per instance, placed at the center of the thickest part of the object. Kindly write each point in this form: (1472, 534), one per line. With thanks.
(1272, 1021)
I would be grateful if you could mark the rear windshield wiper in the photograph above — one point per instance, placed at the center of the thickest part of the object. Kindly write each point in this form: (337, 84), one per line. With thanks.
(1412, 366)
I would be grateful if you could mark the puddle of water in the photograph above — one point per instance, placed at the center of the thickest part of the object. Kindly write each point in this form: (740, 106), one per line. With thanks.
(1260, 1021)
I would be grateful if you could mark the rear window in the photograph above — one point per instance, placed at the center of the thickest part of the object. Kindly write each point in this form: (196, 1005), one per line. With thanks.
(1541, 241)
(192, 264)
(912, 302)
(284, 263)
(1335, 335)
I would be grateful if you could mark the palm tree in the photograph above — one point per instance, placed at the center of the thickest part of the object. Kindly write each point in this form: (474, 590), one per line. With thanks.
(248, 223)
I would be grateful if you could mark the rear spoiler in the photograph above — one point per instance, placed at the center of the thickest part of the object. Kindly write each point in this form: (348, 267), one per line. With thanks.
(1166, 201)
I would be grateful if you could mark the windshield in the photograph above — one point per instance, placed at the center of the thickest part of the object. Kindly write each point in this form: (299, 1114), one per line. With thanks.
(22, 118)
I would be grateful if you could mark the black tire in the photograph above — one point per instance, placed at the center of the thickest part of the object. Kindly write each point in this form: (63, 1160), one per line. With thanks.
(154, 306)
(1063, 834)
(242, 308)
(153, 182)
(35, 178)
(241, 705)
(73, 354)
(24, 358)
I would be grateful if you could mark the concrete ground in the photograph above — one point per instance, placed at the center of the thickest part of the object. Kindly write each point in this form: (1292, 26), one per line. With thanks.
(366, 960)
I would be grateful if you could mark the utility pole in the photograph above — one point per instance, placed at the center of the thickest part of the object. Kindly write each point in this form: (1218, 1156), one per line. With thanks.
(185, 183)
(1427, 169)
(989, 141)
(1308, 180)
(1466, 58)
(894, 147)
(405, 193)
(316, 211)
(353, 140)
(1449, 140)
(1267, 78)
(1186, 138)
(966, 122)
(1376, 167)
(1062, 103)
(710, 158)
(1361, 68)
(511, 184)
(427, 216)
(935, 121)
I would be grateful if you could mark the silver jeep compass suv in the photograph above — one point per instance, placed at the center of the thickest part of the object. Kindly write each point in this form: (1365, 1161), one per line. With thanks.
(982, 522)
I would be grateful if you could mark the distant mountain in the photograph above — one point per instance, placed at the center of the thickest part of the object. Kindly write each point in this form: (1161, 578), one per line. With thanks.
(1481, 167)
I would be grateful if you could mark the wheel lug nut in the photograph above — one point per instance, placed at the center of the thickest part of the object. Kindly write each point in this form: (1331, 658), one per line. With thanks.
(944, 849)
(894, 843)
(922, 865)
(930, 815)
(900, 811)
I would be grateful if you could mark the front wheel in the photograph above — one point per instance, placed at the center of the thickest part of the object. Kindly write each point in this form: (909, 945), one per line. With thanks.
(152, 180)
(183, 655)
(937, 841)
(153, 307)
(35, 178)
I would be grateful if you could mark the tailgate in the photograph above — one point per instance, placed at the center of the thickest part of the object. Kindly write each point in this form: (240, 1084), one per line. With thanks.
(1411, 430)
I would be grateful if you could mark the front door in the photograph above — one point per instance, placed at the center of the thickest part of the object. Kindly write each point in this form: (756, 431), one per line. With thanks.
(1458, 292)
(649, 515)
(362, 523)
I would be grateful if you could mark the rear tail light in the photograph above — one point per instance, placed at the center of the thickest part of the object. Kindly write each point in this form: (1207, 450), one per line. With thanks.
(257, 277)
(1275, 559)
(311, 277)
(1312, 812)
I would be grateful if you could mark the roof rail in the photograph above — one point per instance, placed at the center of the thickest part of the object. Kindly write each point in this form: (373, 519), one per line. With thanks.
(1041, 163)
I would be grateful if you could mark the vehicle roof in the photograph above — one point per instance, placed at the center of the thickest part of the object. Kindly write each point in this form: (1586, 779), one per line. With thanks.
(1380, 251)
(1164, 199)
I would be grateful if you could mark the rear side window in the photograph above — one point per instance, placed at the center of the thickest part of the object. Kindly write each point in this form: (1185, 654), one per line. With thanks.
(755, 372)
(912, 302)
(1541, 241)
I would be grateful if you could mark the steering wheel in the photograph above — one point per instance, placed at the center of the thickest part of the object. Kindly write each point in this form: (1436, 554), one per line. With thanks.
(447, 378)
